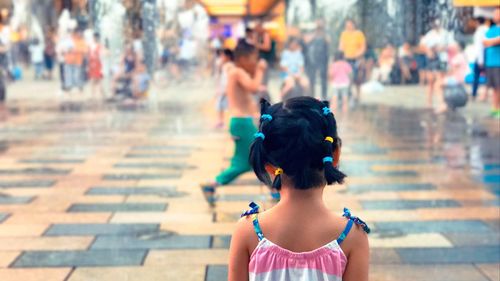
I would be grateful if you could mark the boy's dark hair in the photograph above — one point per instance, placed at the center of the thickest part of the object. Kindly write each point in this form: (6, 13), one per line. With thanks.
(97, 36)
(339, 56)
(298, 139)
(228, 53)
(243, 49)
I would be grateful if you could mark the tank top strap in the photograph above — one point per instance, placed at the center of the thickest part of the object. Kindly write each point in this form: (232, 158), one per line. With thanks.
(351, 221)
(254, 211)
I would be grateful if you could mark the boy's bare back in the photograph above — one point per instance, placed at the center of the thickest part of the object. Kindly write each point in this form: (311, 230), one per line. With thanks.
(240, 88)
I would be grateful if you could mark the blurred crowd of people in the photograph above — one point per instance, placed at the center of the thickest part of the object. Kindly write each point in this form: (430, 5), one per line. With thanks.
(80, 56)
(445, 66)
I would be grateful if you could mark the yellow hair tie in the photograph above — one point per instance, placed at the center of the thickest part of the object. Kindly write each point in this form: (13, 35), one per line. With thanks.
(278, 172)
(330, 139)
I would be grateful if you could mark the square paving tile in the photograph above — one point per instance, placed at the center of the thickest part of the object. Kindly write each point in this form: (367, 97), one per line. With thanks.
(35, 171)
(464, 272)
(156, 240)
(118, 207)
(390, 187)
(27, 183)
(433, 226)
(114, 257)
(492, 271)
(163, 147)
(478, 254)
(100, 229)
(120, 177)
(7, 257)
(51, 161)
(136, 273)
(243, 197)
(35, 243)
(169, 166)
(171, 258)
(7, 200)
(34, 274)
(216, 273)
(3, 216)
(167, 191)
(221, 242)
(474, 239)
(157, 155)
(407, 204)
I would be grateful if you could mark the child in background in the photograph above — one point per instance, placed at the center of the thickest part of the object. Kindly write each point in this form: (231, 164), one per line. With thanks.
(140, 81)
(36, 51)
(340, 78)
(454, 92)
(297, 151)
(244, 81)
(292, 66)
(225, 58)
(458, 65)
(95, 66)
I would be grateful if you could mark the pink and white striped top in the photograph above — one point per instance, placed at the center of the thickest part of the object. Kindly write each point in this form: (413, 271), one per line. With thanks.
(270, 262)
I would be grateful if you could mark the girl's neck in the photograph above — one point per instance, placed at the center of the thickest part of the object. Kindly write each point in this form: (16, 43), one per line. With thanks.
(310, 199)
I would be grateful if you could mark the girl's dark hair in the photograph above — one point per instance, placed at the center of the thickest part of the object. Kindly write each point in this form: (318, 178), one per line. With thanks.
(297, 138)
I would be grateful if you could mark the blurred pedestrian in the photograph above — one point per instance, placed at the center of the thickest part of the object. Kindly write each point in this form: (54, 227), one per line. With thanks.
(226, 64)
(386, 62)
(49, 54)
(436, 43)
(95, 73)
(421, 59)
(407, 64)
(292, 67)
(244, 80)
(341, 80)
(479, 36)
(318, 53)
(353, 44)
(36, 49)
(74, 58)
(492, 62)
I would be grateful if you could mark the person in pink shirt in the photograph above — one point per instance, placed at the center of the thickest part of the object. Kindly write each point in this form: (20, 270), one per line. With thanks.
(340, 79)
(459, 66)
(455, 94)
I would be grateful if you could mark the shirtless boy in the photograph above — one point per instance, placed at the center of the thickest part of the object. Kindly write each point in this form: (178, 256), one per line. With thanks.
(244, 80)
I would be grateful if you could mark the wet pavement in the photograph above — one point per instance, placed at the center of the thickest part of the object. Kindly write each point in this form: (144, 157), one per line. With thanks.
(101, 192)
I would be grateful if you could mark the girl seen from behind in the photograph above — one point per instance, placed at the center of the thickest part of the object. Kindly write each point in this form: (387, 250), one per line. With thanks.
(297, 151)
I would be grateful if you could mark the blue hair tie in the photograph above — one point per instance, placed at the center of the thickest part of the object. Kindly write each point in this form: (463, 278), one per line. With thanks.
(266, 117)
(260, 135)
(328, 160)
(326, 111)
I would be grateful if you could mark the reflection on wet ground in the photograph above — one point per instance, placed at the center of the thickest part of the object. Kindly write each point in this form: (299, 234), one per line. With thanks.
(95, 192)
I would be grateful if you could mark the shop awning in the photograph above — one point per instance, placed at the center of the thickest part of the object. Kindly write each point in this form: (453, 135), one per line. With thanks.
(476, 3)
(239, 7)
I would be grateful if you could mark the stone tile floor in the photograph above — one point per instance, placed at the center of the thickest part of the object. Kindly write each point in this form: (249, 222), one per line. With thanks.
(99, 192)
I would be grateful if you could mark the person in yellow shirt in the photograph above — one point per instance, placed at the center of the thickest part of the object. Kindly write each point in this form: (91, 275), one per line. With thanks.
(353, 45)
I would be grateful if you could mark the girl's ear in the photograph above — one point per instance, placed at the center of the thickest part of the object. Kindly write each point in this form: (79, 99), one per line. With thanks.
(336, 156)
(270, 169)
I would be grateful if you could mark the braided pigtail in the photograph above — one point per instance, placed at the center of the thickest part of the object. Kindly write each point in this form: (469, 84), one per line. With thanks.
(257, 151)
(332, 174)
